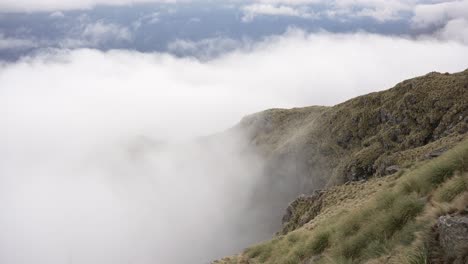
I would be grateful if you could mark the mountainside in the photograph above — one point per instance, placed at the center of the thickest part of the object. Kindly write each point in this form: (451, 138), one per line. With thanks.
(414, 134)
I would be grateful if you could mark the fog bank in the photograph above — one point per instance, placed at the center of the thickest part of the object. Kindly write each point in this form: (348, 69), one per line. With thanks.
(101, 160)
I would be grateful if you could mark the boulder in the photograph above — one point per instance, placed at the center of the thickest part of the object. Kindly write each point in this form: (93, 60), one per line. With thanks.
(453, 238)
(392, 169)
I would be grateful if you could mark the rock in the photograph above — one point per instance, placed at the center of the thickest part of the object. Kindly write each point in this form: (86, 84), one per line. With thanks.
(313, 259)
(392, 169)
(302, 210)
(453, 238)
(436, 153)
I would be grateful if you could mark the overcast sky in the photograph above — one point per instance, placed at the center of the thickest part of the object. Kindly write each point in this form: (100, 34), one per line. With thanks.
(101, 100)
(206, 29)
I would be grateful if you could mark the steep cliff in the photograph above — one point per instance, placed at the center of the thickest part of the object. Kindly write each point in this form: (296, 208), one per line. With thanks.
(373, 173)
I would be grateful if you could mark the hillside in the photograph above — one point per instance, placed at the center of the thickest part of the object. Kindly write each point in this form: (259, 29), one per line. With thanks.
(376, 173)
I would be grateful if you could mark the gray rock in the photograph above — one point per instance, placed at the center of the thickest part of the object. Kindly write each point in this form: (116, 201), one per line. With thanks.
(436, 153)
(392, 169)
(453, 238)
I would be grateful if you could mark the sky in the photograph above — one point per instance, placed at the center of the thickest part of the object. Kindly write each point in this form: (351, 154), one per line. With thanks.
(103, 103)
(204, 28)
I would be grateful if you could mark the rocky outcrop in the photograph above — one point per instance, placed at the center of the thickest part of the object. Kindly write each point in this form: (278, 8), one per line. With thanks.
(301, 210)
(453, 238)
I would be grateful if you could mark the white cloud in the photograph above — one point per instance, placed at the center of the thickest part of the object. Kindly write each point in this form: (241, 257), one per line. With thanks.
(151, 18)
(251, 11)
(381, 10)
(93, 34)
(57, 5)
(207, 48)
(438, 14)
(289, 2)
(101, 32)
(79, 184)
(9, 43)
(455, 29)
(450, 18)
(57, 14)
(378, 9)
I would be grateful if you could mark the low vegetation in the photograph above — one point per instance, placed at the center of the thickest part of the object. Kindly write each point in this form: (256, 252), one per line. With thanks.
(388, 163)
(392, 226)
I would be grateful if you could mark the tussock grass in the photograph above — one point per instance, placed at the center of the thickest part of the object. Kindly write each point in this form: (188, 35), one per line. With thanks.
(394, 223)
(429, 176)
(318, 243)
(418, 255)
(261, 251)
(452, 188)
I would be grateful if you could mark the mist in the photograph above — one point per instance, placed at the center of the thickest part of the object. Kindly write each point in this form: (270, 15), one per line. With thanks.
(127, 157)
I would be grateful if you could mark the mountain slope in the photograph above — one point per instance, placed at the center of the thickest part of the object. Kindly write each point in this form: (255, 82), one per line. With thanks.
(394, 132)
(365, 136)
(385, 220)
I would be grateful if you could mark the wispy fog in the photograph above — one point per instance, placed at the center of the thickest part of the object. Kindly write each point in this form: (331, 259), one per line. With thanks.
(102, 154)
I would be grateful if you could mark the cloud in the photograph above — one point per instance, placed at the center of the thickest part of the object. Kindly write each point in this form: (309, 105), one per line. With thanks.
(438, 14)
(441, 19)
(207, 48)
(57, 14)
(97, 163)
(455, 29)
(449, 19)
(102, 32)
(94, 34)
(379, 10)
(151, 18)
(289, 2)
(11, 43)
(62, 5)
(251, 11)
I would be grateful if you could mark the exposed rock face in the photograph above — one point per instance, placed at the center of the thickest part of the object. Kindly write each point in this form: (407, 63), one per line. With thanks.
(301, 211)
(453, 238)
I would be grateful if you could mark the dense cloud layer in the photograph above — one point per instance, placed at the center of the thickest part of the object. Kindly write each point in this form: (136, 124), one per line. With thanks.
(86, 171)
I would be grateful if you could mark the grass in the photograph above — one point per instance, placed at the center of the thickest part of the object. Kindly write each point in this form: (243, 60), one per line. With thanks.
(358, 139)
(389, 222)
(364, 135)
(452, 188)
(319, 242)
(418, 256)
